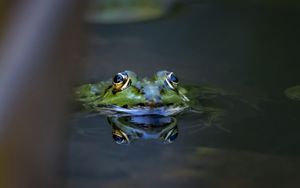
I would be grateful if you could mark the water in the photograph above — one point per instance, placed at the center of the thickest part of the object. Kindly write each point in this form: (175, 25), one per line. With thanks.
(250, 50)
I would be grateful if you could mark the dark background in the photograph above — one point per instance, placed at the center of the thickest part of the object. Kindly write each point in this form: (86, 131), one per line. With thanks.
(247, 48)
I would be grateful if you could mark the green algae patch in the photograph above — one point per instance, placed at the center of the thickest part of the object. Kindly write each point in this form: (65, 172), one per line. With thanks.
(293, 93)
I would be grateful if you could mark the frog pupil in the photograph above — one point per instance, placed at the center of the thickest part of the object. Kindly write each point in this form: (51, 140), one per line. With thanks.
(118, 139)
(118, 78)
(173, 137)
(173, 78)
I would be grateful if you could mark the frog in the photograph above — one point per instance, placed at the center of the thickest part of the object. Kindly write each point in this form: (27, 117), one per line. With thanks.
(161, 94)
(148, 108)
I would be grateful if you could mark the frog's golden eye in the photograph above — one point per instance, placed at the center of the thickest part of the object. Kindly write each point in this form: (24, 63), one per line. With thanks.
(120, 137)
(121, 81)
(172, 80)
(170, 136)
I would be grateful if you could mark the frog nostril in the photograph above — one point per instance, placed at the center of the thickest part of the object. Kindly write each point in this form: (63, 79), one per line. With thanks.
(140, 104)
(141, 90)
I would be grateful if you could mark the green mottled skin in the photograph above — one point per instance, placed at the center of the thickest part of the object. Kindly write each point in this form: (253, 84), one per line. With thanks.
(151, 93)
(142, 92)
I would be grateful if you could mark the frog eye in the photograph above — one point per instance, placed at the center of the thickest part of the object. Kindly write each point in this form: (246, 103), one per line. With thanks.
(172, 80)
(170, 136)
(121, 81)
(120, 137)
(118, 78)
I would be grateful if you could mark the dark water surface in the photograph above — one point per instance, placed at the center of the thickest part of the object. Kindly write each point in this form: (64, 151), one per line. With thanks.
(250, 50)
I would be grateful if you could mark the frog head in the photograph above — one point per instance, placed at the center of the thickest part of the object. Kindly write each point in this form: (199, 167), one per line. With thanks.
(128, 93)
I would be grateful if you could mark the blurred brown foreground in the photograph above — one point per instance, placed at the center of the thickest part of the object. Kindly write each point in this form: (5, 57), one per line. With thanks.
(39, 53)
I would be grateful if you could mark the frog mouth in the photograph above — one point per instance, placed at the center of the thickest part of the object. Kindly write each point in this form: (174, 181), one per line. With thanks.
(158, 109)
(152, 105)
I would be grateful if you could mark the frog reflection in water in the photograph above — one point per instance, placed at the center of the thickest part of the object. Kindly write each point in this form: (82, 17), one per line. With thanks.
(127, 97)
(128, 128)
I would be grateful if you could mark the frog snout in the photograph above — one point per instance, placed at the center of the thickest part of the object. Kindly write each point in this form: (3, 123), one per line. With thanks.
(152, 95)
(154, 99)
